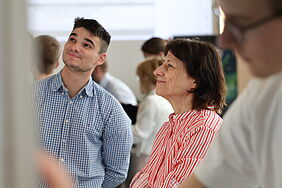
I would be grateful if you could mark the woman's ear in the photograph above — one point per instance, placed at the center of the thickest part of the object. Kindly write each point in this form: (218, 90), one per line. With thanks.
(194, 84)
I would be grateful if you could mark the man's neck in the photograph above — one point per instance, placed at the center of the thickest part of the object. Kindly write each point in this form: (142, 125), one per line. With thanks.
(74, 81)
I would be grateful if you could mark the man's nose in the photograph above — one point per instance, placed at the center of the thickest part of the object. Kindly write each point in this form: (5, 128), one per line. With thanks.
(76, 47)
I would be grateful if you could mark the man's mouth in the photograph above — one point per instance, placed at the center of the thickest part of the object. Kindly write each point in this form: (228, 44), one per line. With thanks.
(73, 55)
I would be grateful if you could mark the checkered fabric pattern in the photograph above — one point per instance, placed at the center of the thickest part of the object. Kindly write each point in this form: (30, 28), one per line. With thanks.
(90, 133)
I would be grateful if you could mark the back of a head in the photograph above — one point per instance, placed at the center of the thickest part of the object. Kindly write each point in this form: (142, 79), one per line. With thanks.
(203, 63)
(147, 68)
(153, 46)
(96, 29)
(45, 53)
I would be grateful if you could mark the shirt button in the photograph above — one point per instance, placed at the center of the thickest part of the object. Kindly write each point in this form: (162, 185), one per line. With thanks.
(81, 96)
(71, 102)
(62, 159)
(67, 120)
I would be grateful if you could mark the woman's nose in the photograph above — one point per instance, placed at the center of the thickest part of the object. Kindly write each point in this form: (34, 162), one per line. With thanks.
(159, 71)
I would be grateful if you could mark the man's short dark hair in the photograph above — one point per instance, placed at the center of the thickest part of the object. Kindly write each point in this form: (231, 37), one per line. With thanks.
(47, 53)
(154, 45)
(203, 63)
(96, 29)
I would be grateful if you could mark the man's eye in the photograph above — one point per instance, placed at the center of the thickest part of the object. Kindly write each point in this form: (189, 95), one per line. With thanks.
(72, 40)
(86, 45)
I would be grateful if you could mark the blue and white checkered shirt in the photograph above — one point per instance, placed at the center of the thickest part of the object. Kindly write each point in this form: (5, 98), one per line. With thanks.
(89, 133)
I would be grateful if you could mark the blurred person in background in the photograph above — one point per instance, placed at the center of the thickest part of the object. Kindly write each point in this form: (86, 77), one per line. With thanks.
(154, 46)
(45, 52)
(120, 90)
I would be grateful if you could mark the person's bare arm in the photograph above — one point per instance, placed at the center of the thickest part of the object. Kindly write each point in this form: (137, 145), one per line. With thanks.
(52, 172)
(192, 182)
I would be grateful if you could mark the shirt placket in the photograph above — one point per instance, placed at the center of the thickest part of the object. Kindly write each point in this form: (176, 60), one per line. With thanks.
(65, 130)
(163, 164)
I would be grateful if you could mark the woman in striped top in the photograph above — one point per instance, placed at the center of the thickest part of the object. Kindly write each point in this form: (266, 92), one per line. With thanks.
(191, 78)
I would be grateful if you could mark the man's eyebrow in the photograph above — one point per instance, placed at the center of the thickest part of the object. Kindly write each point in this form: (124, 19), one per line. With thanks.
(88, 40)
(73, 34)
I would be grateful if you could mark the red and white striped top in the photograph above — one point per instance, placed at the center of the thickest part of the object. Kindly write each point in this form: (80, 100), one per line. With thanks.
(180, 145)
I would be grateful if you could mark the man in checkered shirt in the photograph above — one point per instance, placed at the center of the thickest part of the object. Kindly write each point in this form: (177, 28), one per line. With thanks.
(79, 123)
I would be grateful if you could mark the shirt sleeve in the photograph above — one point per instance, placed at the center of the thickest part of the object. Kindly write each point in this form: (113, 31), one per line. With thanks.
(189, 156)
(229, 162)
(145, 121)
(117, 143)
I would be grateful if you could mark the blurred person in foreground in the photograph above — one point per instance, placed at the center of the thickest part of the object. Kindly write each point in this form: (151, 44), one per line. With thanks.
(191, 78)
(45, 56)
(247, 152)
(52, 172)
(79, 123)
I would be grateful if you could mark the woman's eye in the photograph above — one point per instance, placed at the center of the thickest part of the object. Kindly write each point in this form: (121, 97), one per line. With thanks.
(170, 65)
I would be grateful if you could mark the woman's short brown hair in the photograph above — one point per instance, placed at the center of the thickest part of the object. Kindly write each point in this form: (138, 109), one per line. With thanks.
(203, 63)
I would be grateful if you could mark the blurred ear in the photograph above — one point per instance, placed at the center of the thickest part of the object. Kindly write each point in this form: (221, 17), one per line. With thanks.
(161, 54)
(57, 64)
(102, 58)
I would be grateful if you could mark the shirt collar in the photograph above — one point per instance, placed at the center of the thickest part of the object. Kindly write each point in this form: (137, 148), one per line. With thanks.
(182, 116)
(89, 88)
(58, 85)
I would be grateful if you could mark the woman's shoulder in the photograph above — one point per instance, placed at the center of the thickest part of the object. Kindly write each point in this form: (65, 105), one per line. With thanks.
(212, 120)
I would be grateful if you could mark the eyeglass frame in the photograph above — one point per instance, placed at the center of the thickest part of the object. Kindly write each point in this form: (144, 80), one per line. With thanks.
(238, 32)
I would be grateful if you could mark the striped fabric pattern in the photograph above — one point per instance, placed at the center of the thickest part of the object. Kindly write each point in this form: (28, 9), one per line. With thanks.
(180, 145)
(90, 133)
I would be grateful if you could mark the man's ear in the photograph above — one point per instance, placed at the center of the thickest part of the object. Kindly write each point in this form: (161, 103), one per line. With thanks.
(102, 58)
